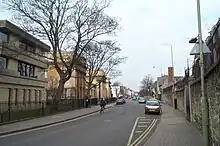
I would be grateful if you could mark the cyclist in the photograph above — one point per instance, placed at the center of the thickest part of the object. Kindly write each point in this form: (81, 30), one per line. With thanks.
(102, 104)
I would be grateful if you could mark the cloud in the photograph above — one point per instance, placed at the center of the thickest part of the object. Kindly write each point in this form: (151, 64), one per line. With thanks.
(148, 23)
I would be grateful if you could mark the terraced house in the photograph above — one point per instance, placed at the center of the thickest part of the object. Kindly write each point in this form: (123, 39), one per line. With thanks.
(22, 67)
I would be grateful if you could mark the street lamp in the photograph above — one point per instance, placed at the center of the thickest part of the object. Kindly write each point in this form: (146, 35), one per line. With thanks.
(171, 51)
(195, 51)
(160, 70)
(173, 90)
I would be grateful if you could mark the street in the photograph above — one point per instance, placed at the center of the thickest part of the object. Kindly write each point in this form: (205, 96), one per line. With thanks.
(111, 128)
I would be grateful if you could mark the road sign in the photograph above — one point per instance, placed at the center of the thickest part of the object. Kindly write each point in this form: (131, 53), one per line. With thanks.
(195, 50)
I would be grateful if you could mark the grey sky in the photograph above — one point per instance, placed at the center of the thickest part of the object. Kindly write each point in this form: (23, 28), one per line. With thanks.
(149, 23)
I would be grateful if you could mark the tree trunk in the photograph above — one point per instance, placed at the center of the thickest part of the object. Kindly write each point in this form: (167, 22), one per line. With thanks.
(59, 93)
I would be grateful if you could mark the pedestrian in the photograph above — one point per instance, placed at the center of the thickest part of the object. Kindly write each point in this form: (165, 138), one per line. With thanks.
(102, 105)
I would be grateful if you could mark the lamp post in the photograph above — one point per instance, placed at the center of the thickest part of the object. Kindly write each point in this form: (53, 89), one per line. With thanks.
(171, 51)
(173, 89)
(161, 72)
(203, 49)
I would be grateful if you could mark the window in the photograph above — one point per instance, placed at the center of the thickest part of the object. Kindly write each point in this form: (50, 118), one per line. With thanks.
(30, 49)
(41, 52)
(3, 63)
(3, 37)
(26, 69)
(25, 47)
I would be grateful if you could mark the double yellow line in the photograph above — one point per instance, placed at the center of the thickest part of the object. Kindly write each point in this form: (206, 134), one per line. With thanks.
(144, 134)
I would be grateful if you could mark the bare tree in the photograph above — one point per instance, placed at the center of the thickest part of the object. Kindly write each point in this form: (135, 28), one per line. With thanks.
(69, 25)
(53, 83)
(146, 85)
(102, 56)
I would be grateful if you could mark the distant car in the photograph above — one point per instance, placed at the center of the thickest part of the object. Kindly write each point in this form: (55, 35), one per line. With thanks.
(153, 106)
(141, 100)
(120, 100)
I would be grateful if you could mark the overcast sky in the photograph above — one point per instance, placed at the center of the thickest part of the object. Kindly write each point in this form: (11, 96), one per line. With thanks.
(149, 23)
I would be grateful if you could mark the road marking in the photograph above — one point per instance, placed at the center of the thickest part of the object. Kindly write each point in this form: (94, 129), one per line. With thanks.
(137, 140)
(145, 119)
(144, 122)
(132, 132)
(142, 126)
(144, 134)
(57, 124)
(138, 131)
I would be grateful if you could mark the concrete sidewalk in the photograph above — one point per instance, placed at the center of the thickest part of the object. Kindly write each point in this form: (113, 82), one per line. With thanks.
(174, 130)
(48, 120)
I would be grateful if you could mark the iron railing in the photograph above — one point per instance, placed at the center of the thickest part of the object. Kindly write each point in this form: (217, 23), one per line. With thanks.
(16, 111)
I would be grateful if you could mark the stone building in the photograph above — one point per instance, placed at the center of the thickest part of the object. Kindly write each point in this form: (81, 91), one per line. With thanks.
(102, 87)
(75, 87)
(22, 66)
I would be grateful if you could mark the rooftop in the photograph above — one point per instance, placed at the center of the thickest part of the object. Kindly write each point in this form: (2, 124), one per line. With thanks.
(8, 27)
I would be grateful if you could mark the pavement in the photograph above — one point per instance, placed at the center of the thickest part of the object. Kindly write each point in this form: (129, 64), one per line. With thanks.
(112, 128)
(47, 120)
(174, 130)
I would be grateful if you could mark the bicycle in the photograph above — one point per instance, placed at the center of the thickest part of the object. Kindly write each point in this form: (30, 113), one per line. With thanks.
(102, 109)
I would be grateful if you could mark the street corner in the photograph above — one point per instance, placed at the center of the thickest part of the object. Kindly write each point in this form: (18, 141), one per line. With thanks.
(142, 128)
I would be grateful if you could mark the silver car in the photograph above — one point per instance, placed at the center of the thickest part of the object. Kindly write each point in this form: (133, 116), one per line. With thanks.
(120, 100)
(153, 106)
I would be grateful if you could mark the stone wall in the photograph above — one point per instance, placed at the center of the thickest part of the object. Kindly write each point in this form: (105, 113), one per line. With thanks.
(212, 92)
(167, 96)
(180, 99)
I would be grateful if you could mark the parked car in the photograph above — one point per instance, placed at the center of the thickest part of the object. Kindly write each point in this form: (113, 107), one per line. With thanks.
(141, 100)
(153, 106)
(120, 100)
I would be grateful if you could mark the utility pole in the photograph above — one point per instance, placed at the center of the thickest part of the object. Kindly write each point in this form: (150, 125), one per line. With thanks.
(205, 116)
(174, 99)
(173, 81)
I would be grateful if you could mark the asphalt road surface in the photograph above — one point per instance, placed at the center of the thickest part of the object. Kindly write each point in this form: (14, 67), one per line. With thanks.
(112, 128)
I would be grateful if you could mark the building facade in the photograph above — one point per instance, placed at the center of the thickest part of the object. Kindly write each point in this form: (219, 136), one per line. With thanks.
(101, 87)
(22, 65)
(74, 88)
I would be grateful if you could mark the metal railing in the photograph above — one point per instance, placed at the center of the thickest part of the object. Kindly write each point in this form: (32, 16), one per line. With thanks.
(16, 111)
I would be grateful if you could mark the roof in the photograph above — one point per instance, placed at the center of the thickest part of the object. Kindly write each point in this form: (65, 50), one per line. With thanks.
(10, 27)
